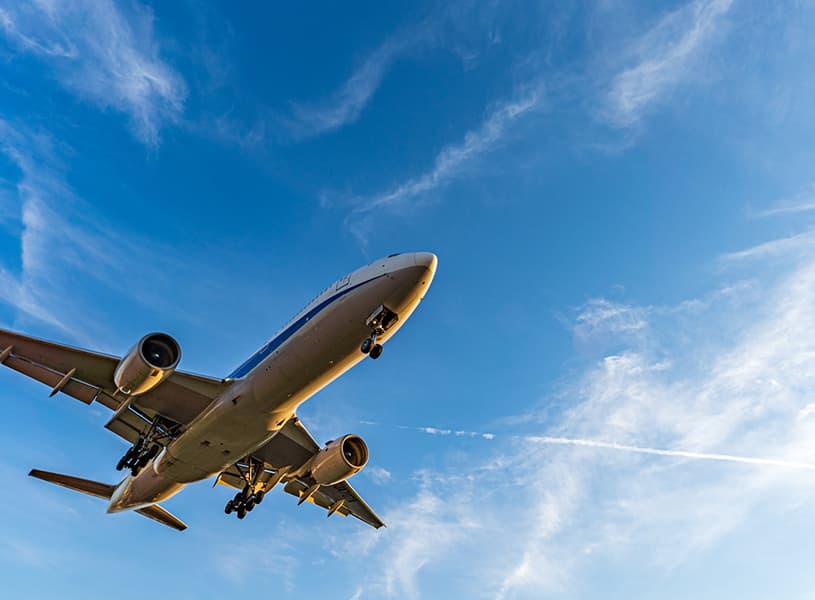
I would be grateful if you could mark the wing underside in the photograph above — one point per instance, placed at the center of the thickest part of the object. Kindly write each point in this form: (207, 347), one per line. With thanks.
(288, 450)
(88, 376)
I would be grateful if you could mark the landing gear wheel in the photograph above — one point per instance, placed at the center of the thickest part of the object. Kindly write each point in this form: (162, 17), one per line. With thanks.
(121, 464)
(259, 496)
(250, 504)
(153, 452)
(241, 512)
(135, 470)
(367, 345)
(229, 508)
(376, 351)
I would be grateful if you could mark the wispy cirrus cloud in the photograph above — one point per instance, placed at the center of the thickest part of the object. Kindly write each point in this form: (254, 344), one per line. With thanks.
(102, 55)
(345, 105)
(65, 254)
(452, 160)
(665, 56)
(801, 202)
(660, 449)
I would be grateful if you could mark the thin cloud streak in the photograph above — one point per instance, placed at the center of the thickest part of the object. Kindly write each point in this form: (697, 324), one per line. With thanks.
(665, 57)
(768, 462)
(801, 203)
(589, 443)
(452, 159)
(346, 104)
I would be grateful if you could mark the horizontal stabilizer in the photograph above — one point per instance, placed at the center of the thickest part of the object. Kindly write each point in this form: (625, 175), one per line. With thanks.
(163, 516)
(86, 486)
(105, 491)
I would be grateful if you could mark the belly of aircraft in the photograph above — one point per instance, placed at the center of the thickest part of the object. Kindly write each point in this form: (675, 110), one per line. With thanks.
(255, 409)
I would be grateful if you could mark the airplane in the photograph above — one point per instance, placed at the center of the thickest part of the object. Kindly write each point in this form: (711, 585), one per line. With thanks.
(243, 429)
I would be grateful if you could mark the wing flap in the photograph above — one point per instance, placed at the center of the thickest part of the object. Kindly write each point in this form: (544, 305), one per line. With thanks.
(91, 367)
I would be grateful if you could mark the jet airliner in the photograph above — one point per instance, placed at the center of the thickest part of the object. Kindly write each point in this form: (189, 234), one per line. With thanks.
(242, 429)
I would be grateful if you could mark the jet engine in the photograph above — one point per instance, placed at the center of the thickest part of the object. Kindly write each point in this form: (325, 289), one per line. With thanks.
(152, 360)
(339, 460)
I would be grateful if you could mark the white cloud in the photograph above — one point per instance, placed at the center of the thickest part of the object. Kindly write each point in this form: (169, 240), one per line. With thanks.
(662, 449)
(379, 475)
(665, 56)
(103, 56)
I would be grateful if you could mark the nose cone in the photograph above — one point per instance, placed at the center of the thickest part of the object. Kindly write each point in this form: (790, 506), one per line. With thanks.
(427, 260)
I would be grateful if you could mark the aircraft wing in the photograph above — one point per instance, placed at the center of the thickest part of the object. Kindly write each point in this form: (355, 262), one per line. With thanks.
(88, 376)
(291, 448)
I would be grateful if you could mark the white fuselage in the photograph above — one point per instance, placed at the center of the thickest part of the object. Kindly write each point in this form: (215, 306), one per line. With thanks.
(318, 345)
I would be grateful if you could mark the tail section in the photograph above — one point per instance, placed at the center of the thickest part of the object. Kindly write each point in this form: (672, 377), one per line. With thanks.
(105, 491)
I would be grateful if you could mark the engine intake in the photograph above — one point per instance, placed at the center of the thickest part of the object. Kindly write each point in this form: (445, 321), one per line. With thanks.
(152, 360)
(339, 460)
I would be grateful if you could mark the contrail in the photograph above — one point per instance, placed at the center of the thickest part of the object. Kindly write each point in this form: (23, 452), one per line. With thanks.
(769, 462)
(565, 441)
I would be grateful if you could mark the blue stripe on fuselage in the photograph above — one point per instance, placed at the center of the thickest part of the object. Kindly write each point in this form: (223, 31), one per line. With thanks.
(277, 341)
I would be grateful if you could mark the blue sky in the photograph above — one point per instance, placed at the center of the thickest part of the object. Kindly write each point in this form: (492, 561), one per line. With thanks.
(621, 199)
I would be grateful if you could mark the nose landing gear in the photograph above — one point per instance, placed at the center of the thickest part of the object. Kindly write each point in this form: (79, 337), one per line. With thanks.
(380, 321)
(370, 347)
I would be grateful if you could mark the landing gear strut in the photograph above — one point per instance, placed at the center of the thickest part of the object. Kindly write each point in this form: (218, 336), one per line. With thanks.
(145, 449)
(379, 322)
(246, 499)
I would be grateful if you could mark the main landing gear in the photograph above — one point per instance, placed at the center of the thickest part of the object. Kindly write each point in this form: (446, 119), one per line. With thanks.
(145, 449)
(379, 322)
(138, 455)
(246, 499)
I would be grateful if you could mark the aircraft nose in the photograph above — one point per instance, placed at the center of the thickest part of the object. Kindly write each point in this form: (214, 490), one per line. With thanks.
(427, 260)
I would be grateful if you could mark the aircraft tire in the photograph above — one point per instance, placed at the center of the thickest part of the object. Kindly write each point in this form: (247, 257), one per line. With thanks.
(376, 351)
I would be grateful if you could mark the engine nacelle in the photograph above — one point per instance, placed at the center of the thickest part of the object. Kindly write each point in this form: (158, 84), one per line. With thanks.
(152, 360)
(339, 460)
